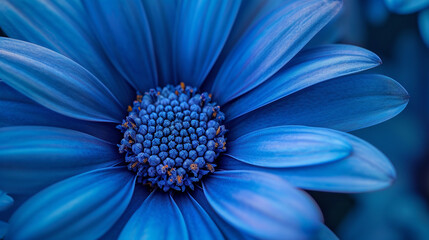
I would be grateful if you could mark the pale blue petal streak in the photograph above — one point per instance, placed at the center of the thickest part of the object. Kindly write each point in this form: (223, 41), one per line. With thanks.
(288, 146)
(365, 169)
(406, 6)
(270, 44)
(124, 33)
(200, 33)
(261, 205)
(198, 222)
(157, 218)
(62, 26)
(84, 207)
(424, 26)
(18, 110)
(307, 68)
(346, 103)
(32, 157)
(56, 82)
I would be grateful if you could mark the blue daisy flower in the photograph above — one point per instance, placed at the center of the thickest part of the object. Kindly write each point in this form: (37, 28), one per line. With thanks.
(182, 119)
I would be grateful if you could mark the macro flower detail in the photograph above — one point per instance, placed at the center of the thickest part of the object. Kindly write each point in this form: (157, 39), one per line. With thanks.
(230, 116)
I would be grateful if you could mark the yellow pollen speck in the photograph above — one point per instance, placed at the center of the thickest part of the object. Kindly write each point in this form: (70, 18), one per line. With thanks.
(139, 98)
(182, 85)
(210, 95)
(164, 167)
(194, 166)
(145, 160)
(176, 92)
(210, 167)
(158, 93)
(179, 179)
(216, 145)
(218, 131)
(134, 164)
(129, 109)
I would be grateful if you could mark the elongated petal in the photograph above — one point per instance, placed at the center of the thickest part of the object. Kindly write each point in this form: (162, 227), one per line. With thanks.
(32, 157)
(365, 169)
(6, 201)
(140, 194)
(125, 35)
(3, 229)
(201, 31)
(424, 26)
(270, 44)
(161, 16)
(197, 220)
(18, 110)
(345, 103)
(56, 82)
(84, 206)
(307, 68)
(158, 218)
(261, 205)
(287, 146)
(406, 6)
(62, 26)
(228, 231)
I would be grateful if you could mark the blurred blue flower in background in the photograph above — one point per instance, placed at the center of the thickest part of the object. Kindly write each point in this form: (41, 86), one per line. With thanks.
(275, 118)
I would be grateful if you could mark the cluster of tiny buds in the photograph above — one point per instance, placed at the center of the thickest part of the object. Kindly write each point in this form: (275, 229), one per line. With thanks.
(172, 137)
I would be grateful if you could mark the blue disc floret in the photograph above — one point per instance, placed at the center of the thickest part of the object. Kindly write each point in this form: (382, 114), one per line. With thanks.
(172, 137)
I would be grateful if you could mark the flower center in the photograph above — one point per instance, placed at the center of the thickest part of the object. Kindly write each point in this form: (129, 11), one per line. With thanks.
(172, 137)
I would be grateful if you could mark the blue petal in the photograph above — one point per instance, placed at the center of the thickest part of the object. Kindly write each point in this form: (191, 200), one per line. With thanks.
(62, 26)
(325, 233)
(18, 110)
(140, 194)
(307, 68)
(365, 169)
(198, 221)
(161, 16)
(3, 229)
(158, 218)
(345, 103)
(261, 205)
(201, 31)
(406, 6)
(6, 201)
(228, 230)
(270, 44)
(84, 207)
(124, 33)
(56, 82)
(288, 146)
(32, 157)
(424, 26)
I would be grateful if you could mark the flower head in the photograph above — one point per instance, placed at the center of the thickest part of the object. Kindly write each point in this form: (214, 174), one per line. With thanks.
(182, 119)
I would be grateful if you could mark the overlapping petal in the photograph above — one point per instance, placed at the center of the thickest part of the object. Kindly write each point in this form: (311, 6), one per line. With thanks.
(198, 222)
(270, 44)
(6, 201)
(307, 68)
(56, 82)
(365, 169)
(250, 201)
(84, 206)
(158, 218)
(32, 157)
(119, 26)
(288, 146)
(346, 103)
(200, 33)
(406, 6)
(62, 26)
(424, 25)
(18, 110)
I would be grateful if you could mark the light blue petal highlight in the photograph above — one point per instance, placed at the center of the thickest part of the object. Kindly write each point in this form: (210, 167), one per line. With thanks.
(365, 169)
(346, 103)
(202, 28)
(62, 26)
(229, 232)
(158, 218)
(124, 33)
(161, 16)
(18, 110)
(32, 157)
(288, 146)
(197, 220)
(406, 6)
(140, 194)
(307, 68)
(6, 201)
(261, 205)
(84, 207)
(56, 82)
(270, 44)
(424, 26)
